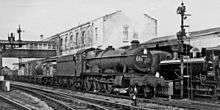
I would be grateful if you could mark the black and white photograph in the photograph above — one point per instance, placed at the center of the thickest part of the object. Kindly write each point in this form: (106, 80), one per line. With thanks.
(109, 55)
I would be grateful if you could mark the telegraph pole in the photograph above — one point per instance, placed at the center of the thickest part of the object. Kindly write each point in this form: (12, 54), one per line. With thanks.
(180, 35)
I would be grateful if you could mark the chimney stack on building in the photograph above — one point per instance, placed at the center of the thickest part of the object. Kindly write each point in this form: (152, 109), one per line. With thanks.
(41, 37)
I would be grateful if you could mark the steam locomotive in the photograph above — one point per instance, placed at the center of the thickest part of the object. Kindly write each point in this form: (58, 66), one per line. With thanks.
(110, 70)
(200, 74)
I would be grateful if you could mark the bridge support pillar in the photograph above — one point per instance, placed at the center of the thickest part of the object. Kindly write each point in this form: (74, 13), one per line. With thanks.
(19, 62)
(1, 74)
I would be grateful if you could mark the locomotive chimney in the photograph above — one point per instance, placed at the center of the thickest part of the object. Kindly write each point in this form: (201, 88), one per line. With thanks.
(41, 37)
(195, 52)
(109, 48)
(134, 44)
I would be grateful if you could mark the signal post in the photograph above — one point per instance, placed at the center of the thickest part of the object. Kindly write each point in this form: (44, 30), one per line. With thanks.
(180, 37)
(1, 61)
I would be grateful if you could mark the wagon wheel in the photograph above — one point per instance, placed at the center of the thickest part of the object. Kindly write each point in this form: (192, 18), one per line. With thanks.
(102, 87)
(75, 85)
(87, 84)
(98, 86)
(147, 92)
(94, 86)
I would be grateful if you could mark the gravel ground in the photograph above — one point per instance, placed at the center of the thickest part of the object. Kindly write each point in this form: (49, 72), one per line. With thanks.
(26, 99)
(6, 106)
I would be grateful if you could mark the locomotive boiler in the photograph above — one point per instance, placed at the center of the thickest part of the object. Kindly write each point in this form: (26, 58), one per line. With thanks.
(134, 59)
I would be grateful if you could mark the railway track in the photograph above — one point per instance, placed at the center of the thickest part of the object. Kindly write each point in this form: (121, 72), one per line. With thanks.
(56, 101)
(64, 101)
(185, 104)
(13, 103)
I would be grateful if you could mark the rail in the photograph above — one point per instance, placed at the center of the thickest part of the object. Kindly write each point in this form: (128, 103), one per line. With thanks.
(182, 103)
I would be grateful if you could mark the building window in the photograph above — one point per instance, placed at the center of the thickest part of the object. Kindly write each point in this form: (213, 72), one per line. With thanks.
(40, 46)
(96, 33)
(31, 46)
(49, 46)
(125, 33)
(66, 43)
(45, 45)
(135, 35)
(71, 41)
(83, 37)
(77, 35)
(61, 45)
(54, 46)
(35, 45)
(71, 38)
(61, 42)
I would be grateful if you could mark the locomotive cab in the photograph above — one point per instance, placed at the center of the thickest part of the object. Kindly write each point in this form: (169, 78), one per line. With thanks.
(199, 78)
(193, 71)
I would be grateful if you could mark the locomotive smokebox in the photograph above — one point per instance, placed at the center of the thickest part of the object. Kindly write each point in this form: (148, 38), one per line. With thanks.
(134, 44)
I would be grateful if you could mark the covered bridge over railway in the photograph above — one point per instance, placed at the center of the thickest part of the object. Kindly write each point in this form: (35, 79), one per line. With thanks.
(26, 49)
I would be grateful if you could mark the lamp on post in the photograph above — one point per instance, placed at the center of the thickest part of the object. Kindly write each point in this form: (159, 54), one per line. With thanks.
(19, 35)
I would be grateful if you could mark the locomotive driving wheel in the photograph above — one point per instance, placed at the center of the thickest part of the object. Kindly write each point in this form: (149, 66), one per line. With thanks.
(87, 84)
(147, 91)
(108, 88)
(98, 86)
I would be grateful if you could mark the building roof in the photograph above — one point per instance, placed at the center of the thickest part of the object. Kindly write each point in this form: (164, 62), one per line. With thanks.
(193, 34)
(149, 16)
(54, 36)
(162, 39)
(205, 31)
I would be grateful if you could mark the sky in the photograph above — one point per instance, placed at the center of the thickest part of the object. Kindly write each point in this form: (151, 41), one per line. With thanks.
(49, 17)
